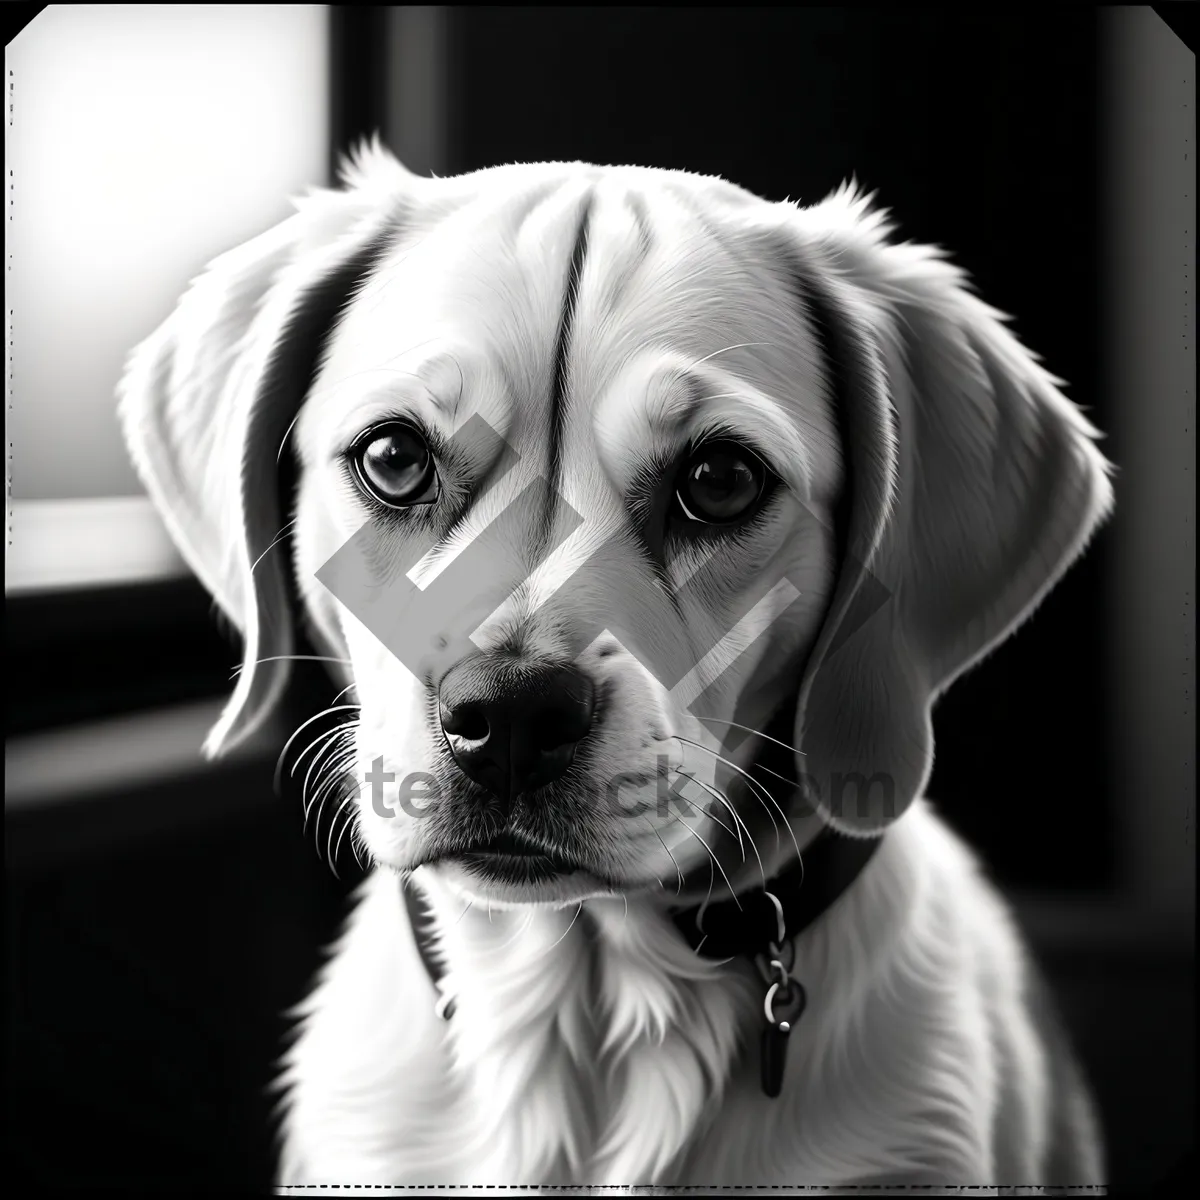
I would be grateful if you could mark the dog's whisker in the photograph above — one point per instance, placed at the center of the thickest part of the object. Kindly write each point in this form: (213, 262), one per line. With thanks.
(317, 829)
(330, 856)
(347, 807)
(346, 810)
(712, 879)
(300, 729)
(290, 658)
(761, 869)
(568, 929)
(310, 803)
(338, 765)
(715, 860)
(322, 740)
(287, 434)
(749, 836)
(337, 771)
(283, 533)
(327, 740)
(741, 826)
(667, 848)
(756, 732)
(389, 371)
(462, 383)
(719, 796)
(522, 930)
(782, 815)
(775, 774)
(755, 794)
(726, 395)
(491, 951)
(704, 812)
(725, 350)
(327, 712)
(358, 848)
(339, 760)
(759, 789)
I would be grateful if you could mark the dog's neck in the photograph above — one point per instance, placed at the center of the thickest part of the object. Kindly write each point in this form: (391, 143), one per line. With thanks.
(602, 1009)
(606, 1010)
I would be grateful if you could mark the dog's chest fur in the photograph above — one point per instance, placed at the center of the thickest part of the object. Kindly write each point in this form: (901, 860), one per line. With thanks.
(604, 1052)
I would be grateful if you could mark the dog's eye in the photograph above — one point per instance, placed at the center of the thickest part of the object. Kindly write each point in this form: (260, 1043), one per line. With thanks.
(393, 464)
(722, 482)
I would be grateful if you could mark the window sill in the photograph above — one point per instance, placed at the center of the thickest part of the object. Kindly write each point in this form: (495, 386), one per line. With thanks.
(56, 545)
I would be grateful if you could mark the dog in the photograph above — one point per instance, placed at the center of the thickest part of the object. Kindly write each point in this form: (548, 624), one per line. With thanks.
(588, 483)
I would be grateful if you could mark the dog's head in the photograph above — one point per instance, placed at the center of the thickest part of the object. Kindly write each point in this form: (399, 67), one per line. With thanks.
(597, 471)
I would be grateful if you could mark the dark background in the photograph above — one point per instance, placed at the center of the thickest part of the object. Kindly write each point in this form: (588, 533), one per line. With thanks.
(155, 936)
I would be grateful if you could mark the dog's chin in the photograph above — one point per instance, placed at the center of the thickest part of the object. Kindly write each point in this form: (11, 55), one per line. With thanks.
(519, 882)
(511, 870)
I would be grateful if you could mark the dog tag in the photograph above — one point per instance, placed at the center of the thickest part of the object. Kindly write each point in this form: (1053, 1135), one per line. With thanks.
(782, 1010)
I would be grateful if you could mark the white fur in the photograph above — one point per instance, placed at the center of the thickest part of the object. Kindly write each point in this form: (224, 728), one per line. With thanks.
(590, 1047)
(612, 1057)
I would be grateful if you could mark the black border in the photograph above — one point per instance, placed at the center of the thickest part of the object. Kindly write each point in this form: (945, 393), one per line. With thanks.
(17, 16)
(1180, 17)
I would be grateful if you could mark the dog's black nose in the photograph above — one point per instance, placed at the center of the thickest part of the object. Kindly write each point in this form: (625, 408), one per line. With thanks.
(512, 725)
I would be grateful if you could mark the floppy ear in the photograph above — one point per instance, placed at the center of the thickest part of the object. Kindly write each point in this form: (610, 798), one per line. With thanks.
(207, 401)
(972, 484)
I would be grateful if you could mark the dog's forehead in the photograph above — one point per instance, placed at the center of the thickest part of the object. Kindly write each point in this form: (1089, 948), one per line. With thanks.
(495, 267)
(558, 278)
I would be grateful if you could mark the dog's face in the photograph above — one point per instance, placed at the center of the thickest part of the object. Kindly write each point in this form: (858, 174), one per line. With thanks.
(600, 469)
(658, 405)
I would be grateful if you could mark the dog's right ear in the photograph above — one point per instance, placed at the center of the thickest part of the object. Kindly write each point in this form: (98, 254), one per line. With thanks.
(207, 400)
(973, 483)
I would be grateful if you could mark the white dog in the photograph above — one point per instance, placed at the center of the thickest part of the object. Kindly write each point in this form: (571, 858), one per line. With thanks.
(601, 486)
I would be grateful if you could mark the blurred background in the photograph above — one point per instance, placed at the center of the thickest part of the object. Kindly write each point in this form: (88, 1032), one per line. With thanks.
(163, 913)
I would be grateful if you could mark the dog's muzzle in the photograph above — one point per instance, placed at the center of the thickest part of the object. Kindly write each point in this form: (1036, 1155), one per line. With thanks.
(513, 725)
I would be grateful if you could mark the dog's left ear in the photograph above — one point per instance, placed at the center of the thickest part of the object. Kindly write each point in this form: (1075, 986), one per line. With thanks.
(972, 484)
(207, 401)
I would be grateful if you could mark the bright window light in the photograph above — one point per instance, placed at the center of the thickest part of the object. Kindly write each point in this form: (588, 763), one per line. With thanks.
(144, 140)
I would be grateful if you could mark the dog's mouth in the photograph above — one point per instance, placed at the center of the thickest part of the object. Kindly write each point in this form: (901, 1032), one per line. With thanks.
(511, 858)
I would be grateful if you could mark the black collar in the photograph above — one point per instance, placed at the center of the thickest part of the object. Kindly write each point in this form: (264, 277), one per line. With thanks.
(805, 890)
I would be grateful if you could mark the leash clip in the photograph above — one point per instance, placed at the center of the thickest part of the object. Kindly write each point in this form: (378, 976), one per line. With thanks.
(782, 1007)
(775, 963)
(780, 923)
(783, 1004)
